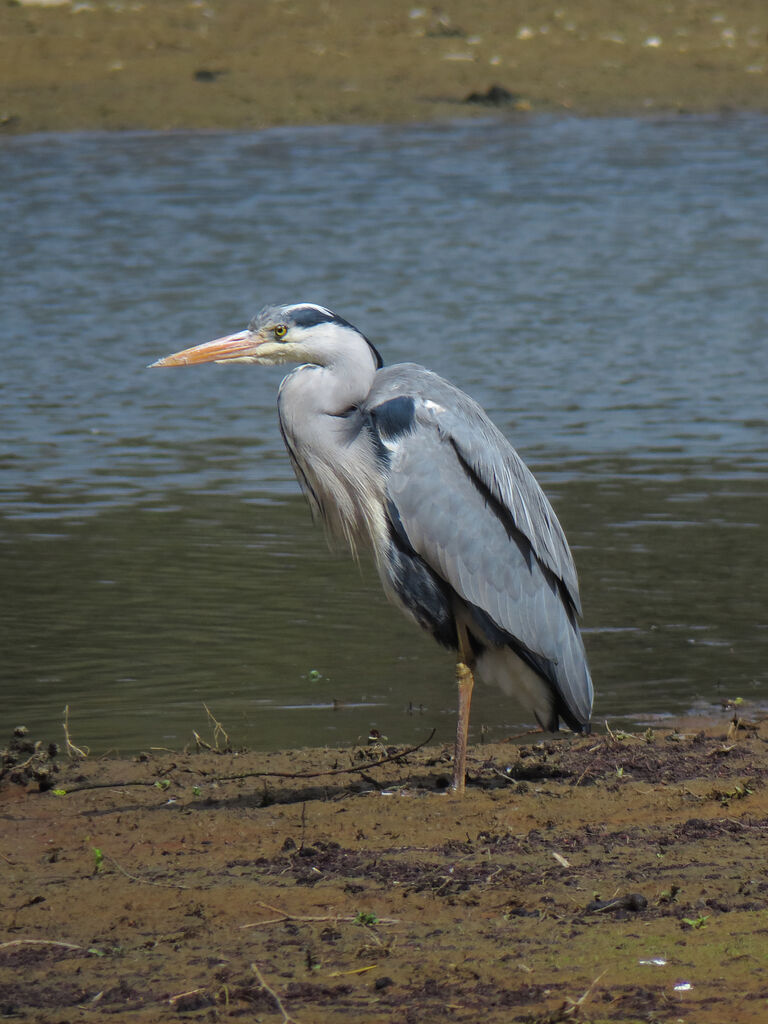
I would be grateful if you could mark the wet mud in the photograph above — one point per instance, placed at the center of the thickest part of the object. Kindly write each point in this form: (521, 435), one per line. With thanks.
(234, 64)
(612, 878)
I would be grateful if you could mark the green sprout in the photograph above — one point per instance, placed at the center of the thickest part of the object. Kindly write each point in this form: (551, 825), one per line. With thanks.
(696, 922)
(362, 917)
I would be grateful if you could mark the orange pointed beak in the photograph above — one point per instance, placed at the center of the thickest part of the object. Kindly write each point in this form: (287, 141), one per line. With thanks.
(243, 346)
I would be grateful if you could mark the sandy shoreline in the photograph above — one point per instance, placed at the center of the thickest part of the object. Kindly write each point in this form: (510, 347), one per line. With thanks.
(235, 64)
(620, 876)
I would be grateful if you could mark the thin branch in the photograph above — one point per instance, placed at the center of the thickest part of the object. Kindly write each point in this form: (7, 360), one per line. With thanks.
(287, 1019)
(191, 992)
(354, 770)
(571, 1007)
(285, 916)
(72, 750)
(39, 942)
(145, 881)
(200, 742)
(219, 732)
(25, 764)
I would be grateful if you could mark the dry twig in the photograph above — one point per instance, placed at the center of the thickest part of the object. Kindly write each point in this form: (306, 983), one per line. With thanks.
(39, 942)
(285, 916)
(219, 734)
(287, 1019)
(355, 769)
(192, 992)
(145, 881)
(357, 970)
(219, 731)
(72, 750)
(571, 1007)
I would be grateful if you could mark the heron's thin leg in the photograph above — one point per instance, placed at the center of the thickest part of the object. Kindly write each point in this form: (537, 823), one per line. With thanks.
(464, 662)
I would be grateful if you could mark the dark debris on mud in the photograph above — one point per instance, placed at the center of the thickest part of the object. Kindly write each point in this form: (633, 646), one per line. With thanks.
(675, 758)
(171, 887)
(25, 760)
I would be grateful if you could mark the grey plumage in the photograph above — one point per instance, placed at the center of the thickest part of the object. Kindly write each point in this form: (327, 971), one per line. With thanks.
(471, 510)
(399, 460)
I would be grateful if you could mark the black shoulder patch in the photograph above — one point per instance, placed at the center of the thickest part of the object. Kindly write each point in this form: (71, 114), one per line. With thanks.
(395, 417)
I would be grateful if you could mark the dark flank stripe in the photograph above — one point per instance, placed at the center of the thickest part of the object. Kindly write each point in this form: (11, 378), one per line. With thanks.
(427, 597)
(515, 534)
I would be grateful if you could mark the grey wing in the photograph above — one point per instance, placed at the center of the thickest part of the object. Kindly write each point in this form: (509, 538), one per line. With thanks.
(467, 505)
(487, 456)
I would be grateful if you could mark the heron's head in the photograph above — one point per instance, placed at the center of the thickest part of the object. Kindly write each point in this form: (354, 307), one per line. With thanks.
(300, 333)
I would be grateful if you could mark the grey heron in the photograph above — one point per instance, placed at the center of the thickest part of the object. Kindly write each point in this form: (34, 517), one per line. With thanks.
(400, 461)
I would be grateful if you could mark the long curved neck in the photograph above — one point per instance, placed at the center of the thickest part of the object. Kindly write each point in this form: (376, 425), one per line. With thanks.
(331, 388)
(330, 452)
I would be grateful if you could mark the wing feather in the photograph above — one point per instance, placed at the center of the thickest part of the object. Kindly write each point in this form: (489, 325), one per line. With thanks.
(473, 511)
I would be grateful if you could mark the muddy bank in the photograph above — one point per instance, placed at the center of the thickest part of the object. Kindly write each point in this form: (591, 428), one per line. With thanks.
(233, 64)
(616, 878)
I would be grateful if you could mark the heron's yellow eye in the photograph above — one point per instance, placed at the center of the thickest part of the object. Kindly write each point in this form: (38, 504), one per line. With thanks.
(280, 330)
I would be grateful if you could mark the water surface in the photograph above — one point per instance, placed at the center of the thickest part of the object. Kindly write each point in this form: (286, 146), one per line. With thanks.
(599, 286)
